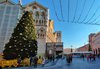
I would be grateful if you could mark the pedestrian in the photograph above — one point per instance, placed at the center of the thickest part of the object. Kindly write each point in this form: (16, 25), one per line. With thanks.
(94, 57)
(43, 61)
(53, 58)
(31, 61)
(0, 67)
(83, 56)
(19, 61)
(71, 57)
(39, 60)
(35, 61)
(98, 55)
(68, 58)
(88, 57)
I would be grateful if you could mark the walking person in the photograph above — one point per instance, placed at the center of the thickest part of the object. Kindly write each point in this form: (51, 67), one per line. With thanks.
(93, 57)
(83, 56)
(53, 58)
(43, 61)
(35, 61)
(68, 58)
(19, 61)
(88, 56)
(31, 61)
(71, 58)
(39, 60)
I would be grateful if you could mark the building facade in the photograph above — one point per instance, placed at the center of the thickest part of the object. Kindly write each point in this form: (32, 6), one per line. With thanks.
(94, 40)
(83, 48)
(54, 48)
(9, 13)
(41, 19)
(54, 44)
(44, 27)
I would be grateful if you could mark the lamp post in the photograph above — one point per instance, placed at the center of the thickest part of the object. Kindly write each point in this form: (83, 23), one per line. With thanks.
(71, 48)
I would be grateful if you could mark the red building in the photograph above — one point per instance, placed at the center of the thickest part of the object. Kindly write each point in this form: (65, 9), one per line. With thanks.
(83, 48)
(94, 40)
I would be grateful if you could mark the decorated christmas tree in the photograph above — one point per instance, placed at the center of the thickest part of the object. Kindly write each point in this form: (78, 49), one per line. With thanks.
(23, 41)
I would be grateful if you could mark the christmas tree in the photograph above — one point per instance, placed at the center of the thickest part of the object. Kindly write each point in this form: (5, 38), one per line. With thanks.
(23, 41)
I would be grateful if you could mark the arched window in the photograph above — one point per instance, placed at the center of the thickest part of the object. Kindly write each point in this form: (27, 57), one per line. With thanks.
(34, 7)
(43, 15)
(37, 14)
(41, 32)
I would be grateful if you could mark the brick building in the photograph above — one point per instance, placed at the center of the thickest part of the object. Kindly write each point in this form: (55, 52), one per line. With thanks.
(83, 48)
(94, 40)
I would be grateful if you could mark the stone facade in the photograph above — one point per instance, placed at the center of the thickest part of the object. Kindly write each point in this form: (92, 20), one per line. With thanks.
(44, 27)
(54, 48)
(54, 45)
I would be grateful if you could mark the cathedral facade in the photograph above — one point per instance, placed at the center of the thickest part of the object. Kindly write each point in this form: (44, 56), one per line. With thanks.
(44, 27)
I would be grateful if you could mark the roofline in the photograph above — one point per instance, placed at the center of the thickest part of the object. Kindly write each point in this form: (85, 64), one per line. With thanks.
(36, 3)
(8, 1)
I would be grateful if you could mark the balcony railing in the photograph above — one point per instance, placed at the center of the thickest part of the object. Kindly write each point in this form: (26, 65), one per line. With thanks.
(40, 22)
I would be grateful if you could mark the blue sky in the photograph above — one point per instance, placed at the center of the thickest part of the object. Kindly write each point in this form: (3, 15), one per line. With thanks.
(72, 33)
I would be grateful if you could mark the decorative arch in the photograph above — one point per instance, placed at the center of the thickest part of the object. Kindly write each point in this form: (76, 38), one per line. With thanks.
(43, 14)
(34, 7)
(41, 30)
(41, 33)
(37, 13)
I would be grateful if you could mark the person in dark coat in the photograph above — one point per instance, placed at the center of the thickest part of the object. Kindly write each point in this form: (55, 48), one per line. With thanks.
(31, 59)
(35, 61)
(94, 57)
(53, 58)
(0, 67)
(19, 61)
(71, 57)
(68, 59)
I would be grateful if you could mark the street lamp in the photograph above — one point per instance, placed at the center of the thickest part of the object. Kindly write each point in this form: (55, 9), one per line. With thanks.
(71, 48)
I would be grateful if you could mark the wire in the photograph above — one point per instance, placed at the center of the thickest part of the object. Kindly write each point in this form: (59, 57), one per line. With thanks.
(55, 11)
(95, 19)
(97, 22)
(75, 11)
(68, 10)
(61, 10)
(94, 13)
(88, 11)
(86, 23)
(82, 10)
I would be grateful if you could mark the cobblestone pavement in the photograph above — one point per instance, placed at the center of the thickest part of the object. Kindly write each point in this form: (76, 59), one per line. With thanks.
(78, 63)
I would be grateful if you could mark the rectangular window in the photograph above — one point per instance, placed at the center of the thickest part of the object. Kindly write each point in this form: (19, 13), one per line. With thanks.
(2, 38)
(0, 20)
(2, 7)
(8, 10)
(6, 19)
(2, 11)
